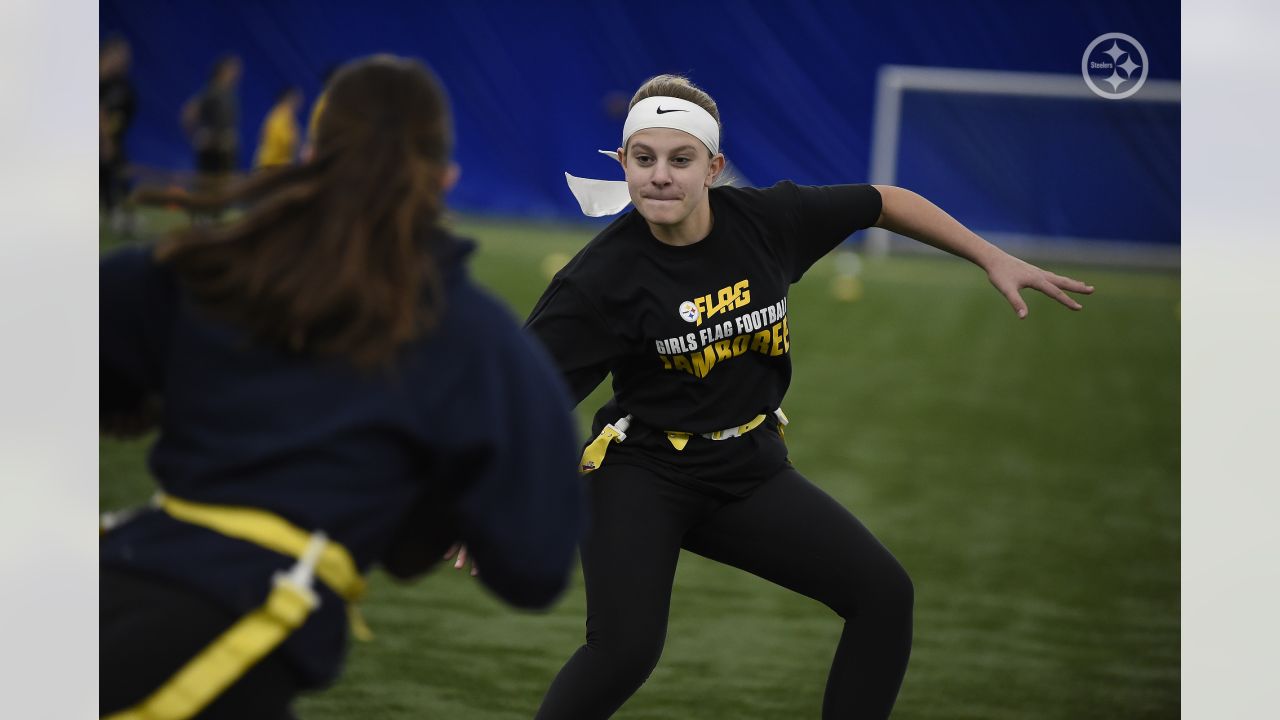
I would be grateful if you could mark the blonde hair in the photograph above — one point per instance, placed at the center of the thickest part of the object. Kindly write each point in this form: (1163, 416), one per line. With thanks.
(677, 86)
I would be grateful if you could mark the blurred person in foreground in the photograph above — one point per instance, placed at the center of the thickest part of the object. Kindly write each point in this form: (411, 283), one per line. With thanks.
(211, 121)
(278, 141)
(684, 300)
(333, 394)
(117, 104)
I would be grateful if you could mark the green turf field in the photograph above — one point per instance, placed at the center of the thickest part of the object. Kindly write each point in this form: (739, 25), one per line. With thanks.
(1024, 472)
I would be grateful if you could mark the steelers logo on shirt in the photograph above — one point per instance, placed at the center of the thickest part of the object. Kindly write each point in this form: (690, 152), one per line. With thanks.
(689, 311)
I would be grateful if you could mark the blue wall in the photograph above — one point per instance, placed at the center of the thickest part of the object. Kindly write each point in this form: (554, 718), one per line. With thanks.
(795, 82)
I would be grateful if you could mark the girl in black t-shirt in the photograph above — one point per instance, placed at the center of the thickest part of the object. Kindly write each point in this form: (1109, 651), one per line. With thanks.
(684, 300)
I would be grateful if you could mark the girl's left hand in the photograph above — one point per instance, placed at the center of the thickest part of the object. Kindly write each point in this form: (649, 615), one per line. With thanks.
(461, 561)
(1009, 275)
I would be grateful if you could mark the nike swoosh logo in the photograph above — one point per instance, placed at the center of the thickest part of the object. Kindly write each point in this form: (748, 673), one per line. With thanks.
(664, 112)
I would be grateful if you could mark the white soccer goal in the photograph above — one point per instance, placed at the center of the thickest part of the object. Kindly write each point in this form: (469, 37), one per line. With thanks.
(895, 80)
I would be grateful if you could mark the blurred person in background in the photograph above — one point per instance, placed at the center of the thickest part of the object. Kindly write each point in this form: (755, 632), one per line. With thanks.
(333, 394)
(313, 117)
(117, 104)
(278, 141)
(211, 120)
(684, 301)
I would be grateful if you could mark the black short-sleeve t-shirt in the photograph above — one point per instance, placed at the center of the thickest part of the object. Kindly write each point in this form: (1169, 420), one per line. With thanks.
(697, 336)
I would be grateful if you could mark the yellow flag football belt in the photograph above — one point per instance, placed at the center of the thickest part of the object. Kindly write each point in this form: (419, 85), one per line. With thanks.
(255, 635)
(616, 432)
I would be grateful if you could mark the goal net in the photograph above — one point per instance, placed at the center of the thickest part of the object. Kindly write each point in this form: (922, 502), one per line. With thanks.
(1036, 163)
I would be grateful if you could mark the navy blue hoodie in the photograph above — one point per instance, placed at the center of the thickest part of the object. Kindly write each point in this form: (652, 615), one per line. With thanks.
(475, 416)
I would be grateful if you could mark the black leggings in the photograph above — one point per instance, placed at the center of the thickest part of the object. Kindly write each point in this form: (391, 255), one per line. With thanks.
(148, 629)
(787, 531)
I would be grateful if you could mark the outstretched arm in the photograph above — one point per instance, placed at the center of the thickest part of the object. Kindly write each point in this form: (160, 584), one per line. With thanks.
(909, 214)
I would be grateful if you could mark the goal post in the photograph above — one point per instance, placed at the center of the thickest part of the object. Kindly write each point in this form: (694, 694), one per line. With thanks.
(1013, 149)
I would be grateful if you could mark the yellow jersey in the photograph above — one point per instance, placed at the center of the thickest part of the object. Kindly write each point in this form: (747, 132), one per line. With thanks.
(279, 142)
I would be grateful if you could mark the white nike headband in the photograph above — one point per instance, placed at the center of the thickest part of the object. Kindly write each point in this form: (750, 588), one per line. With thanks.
(598, 198)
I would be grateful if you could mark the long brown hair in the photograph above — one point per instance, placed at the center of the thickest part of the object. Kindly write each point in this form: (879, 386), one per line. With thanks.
(331, 256)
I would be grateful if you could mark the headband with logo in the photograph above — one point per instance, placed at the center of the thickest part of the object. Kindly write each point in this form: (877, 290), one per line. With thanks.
(598, 198)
